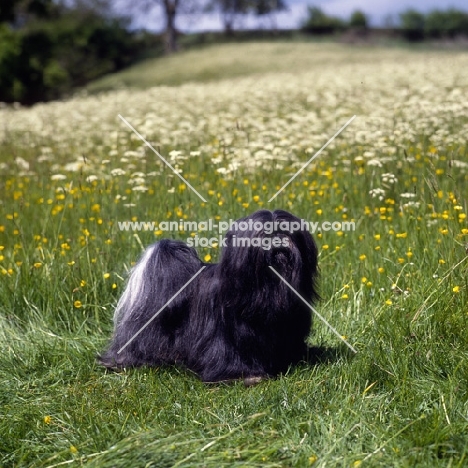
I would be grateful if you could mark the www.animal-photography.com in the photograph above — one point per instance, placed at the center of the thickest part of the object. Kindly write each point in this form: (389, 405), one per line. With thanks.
(233, 234)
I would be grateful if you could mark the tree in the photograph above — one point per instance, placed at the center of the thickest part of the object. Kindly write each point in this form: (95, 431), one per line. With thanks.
(320, 23)
(267, 7)
(49, 52)
(170, 34)
(169, 9)
(358, 20)
(448, 23)
(412, 25)
(12, 10)
(230, 10)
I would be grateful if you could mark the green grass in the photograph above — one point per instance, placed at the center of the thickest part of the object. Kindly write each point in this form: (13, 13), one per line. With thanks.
(227, 61)
(396, 288)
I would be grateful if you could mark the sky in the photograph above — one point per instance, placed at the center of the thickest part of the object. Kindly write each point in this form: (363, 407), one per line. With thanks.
(377, 11)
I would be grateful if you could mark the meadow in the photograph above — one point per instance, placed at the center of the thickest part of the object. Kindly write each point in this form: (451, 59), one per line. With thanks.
(239, 123)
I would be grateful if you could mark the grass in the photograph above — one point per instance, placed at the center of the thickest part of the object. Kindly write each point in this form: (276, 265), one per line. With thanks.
(396, 287)
(227, 61)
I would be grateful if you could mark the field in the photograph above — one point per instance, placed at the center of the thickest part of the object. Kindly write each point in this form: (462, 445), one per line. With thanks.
(242, 120)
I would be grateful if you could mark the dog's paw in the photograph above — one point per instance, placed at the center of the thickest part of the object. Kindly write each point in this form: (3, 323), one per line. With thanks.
(253, 380)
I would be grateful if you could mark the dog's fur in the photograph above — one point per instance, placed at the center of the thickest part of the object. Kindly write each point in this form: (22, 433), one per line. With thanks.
(236, 319)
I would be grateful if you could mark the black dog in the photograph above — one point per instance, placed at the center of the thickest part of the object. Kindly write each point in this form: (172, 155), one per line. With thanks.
(235, 319)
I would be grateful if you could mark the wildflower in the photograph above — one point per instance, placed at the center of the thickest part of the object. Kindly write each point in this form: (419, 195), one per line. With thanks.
(47, 419)
(77, 304)
(377, 193)
(58, 177)
(117, 172)
(362, 257)
(456, 289)
(389, 178)
(207, 258)
(106, 275)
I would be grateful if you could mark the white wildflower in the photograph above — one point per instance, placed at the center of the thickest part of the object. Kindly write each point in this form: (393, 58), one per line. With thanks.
(377, 193)
(389, 178)
(58, 177)
(22, 163)
(117, 172)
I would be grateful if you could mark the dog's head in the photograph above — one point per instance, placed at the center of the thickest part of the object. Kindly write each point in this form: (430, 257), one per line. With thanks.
(270, 238)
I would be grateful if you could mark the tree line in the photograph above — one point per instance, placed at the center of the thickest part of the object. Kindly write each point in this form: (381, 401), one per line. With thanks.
(413, 25)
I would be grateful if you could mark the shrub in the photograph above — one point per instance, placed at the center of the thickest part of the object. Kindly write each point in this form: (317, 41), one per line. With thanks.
(320, 23)
(448, 23)
(412, 25)
(358, 20)
(47, 59)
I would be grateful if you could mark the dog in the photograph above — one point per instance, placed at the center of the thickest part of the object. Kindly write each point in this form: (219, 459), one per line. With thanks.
(236, 319)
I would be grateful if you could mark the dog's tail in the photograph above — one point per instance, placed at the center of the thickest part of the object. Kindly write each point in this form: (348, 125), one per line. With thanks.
(161, 272)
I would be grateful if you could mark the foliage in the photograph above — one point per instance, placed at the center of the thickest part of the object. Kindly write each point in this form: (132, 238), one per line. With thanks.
(358, 20)
(232, 10)
(266, 7)
(48, 58)
(320, 23)
(412, 25)
(450, 23)
(416, 26)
